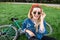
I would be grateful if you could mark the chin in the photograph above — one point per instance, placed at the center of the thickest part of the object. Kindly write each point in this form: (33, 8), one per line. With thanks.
(36, 18)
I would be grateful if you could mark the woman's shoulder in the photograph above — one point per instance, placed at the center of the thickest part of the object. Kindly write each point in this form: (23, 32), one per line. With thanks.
(26, 20)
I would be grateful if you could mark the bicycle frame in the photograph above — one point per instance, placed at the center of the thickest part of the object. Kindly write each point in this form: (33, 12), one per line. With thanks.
(17, 27)
(17, 24)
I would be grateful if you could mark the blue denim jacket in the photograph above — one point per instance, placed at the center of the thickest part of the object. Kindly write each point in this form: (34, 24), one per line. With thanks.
(28, 24)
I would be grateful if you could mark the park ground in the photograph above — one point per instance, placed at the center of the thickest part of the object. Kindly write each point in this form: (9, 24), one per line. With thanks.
(20, 11)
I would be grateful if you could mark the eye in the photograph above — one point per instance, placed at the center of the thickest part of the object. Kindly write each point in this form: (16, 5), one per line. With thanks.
(34, 12)
(39, 13)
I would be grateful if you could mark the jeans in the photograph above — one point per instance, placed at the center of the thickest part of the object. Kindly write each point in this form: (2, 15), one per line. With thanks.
(43, 38)
(47, 38)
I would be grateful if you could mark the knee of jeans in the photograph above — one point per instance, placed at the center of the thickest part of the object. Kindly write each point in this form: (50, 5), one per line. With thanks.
(33, 38)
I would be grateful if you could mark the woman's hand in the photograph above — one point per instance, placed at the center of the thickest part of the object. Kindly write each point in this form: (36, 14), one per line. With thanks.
(30, 33)
(42, 16)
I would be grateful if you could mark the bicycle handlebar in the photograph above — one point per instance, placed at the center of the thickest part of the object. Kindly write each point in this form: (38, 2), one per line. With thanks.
(16, 22)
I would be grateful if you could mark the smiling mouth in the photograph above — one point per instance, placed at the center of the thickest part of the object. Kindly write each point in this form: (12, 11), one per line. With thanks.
(36, 16)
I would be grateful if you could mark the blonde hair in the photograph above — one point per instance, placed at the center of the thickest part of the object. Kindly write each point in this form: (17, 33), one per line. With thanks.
(30, 14)
(31, 9)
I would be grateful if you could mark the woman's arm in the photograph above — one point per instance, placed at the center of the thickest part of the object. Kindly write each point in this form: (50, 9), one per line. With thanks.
(42, 29)
(24, 24)
(30, 33)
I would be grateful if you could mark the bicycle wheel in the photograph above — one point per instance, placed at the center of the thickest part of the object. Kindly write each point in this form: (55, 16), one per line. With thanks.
(49, 29)
(8, 32)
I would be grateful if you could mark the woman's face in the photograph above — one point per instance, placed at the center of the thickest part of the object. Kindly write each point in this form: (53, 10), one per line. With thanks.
(36, 13)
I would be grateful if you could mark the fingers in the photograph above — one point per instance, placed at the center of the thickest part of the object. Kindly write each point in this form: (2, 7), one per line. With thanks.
(43, 15)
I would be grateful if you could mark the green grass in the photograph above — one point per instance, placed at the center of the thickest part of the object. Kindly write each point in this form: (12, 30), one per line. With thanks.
(20, 11)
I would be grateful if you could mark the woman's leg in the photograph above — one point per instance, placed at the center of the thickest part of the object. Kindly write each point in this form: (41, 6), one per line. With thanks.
(33, 38)
(47, 38)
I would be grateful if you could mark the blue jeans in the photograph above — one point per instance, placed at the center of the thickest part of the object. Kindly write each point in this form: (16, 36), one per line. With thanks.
(43, 38)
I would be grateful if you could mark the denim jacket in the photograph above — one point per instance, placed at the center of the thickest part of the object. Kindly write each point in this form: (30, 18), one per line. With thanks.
(28, 24)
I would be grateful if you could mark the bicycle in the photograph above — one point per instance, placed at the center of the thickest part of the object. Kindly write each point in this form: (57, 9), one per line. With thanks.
(10, 32)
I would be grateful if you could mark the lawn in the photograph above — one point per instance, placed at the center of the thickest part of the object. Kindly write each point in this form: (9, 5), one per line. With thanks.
(20, 11)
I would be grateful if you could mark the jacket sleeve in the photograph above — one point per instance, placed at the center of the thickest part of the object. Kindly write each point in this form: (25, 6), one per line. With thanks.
(24, 26)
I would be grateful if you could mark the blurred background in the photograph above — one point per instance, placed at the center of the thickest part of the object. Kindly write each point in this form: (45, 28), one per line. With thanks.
(20, 8)
(33, 1)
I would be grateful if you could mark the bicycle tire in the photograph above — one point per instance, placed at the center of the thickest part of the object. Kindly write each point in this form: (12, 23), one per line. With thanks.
(50, 29)
(10, 26)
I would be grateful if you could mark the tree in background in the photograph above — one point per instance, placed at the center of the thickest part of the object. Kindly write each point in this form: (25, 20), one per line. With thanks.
(34, 1)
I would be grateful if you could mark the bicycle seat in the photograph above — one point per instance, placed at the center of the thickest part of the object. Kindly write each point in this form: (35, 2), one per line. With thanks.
(12, 19)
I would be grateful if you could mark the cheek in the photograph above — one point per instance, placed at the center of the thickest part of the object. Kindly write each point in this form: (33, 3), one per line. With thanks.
(32, 14)
(39, 15)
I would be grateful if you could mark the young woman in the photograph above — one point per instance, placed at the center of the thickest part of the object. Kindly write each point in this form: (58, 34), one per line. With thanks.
(35, 26)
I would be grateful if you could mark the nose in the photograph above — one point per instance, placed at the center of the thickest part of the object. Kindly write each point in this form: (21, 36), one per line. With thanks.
(36, 13)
